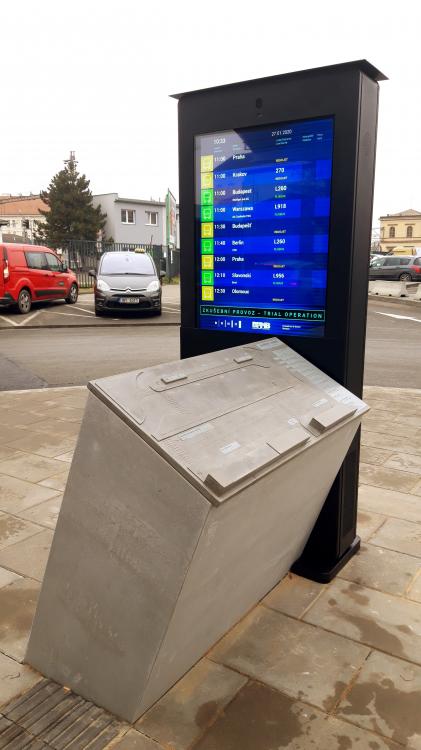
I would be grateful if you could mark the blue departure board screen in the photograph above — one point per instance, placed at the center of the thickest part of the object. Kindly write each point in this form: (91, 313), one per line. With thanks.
(262, 227)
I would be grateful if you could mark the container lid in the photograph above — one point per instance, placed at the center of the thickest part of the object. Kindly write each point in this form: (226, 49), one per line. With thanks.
(225, 418)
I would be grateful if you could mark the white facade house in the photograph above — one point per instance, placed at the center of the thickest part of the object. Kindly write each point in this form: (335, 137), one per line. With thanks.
(133, 220)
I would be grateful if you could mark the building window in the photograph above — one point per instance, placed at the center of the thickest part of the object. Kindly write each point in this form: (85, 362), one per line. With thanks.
(391, 231)
(409, 231)
(152, 218)
(128, 216)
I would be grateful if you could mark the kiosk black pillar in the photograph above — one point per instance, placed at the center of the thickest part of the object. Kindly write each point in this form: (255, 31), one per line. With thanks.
(276, 190)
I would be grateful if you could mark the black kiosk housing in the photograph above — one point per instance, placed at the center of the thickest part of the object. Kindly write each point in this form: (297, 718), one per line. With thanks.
(348, 93)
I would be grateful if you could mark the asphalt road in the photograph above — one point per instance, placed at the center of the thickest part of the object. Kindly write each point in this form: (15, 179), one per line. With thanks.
(393, 345)
(72, 356)
(56, 314)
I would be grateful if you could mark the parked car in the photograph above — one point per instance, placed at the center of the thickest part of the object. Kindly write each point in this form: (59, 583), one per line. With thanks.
(396, 268)
(127, 280)
(31, 273)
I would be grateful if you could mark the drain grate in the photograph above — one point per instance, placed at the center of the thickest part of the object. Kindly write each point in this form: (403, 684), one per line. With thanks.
(50, 716)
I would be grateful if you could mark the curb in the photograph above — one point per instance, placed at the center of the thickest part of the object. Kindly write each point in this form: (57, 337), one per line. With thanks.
(395, 300)
(89, 325)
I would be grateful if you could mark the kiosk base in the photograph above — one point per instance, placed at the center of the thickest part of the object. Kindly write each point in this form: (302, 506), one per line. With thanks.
(325, 573)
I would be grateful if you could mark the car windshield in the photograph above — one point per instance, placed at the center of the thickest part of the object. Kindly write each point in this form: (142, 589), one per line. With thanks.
(130, 264)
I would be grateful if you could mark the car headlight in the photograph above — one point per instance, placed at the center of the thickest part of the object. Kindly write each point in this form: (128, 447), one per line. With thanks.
(102, 286)
(153, 286)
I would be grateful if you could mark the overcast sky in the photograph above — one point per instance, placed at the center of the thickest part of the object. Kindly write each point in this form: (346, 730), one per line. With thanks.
(95, 77)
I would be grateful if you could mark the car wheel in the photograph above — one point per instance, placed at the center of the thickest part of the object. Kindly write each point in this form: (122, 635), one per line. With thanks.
(71, 298)
(405, 277)
(99, 313)
(24, 301)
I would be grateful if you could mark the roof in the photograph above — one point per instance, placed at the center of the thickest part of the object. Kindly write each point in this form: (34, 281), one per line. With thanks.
(25, 206)
(140, 200)
(407, 212)
(362, 65)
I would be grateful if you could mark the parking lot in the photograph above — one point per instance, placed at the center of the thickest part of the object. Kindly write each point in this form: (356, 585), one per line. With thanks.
(57, 314)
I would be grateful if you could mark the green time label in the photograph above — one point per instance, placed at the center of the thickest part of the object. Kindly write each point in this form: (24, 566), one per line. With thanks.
(207, 278)
(207, 247)
(207, 213)
(207, 198)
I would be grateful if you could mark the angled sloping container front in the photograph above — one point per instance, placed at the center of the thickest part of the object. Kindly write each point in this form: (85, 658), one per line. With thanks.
(194, 487)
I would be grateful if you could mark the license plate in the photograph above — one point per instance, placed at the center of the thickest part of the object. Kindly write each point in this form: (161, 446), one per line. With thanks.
(129, 300)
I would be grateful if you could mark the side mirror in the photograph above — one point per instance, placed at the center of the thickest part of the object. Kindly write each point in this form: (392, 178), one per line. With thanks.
(64, 268)
(162, 274)
(92, 273)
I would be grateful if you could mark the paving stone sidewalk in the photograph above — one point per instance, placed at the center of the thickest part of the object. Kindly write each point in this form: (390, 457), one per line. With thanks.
(330, 667)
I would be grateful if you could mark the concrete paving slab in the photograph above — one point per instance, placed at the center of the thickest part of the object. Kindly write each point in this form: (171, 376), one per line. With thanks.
(293, 595)
(390, 426)
(6, 577)
(43, 445)
(375, 456)
(392, 443)
(29, 558)
(57, 428)
(389, 479)
(44, 514)
(133, 740)
(13, 529)
(7, 452)
(181, 716)
(261, 719)
(8, 434)
(411, 419)
(368, 523)
(291, 656)
(382, 621)
(389, 503)
(382, 569)
(414, 592)
(66, 457)
(399, 535)
(17, 608)
(396, 408)
(17, 495)
(405, 462)
(29, 467)
(57, 481)
(417, 489)
(12, 418)
(66, 412)
(386, 698)
(15, 679)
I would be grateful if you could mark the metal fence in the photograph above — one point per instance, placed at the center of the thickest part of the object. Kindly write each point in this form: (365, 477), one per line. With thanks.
(83, 256)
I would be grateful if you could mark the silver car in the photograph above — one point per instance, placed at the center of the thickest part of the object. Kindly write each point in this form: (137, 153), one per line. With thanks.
(127, 281)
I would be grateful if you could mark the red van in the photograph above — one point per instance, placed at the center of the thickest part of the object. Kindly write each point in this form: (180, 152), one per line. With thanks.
(31, 273)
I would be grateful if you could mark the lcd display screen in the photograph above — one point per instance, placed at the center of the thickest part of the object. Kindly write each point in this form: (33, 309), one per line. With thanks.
(262, 227)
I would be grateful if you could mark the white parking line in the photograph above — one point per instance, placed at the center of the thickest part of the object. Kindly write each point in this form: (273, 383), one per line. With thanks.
(29, 317)
(8, 320)
(82, 309)
(73, 315)
(400, 317)
(24, 320)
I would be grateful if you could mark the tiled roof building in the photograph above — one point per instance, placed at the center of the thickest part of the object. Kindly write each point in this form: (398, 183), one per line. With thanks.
(19, 216)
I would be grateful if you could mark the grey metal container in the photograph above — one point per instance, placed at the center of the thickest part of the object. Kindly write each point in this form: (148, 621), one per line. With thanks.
(194, 487)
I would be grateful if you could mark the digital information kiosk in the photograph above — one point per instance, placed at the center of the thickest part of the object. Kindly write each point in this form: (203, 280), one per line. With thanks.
(276, 189)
